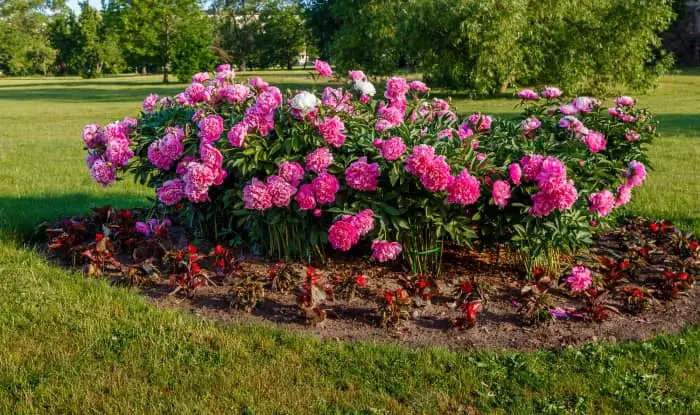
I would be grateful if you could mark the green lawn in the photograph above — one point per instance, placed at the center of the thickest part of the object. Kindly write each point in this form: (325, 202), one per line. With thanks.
(69, 345)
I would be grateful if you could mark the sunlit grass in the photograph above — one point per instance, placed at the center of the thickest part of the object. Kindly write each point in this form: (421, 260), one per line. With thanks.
(69, 345)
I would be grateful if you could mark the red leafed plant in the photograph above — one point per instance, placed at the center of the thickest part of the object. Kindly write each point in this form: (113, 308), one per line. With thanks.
(312, 297)
(393, 306)
(468, 318)
(186, 271)
(420, 287)
(347, 287)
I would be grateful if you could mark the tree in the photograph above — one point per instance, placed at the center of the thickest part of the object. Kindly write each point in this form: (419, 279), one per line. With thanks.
(322, 24)
(282, 34)
(62, 34)
(150, 31)
(24, 45)
(238, 25)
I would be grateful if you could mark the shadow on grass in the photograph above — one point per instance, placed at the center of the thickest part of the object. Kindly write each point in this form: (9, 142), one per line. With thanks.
(20, 217)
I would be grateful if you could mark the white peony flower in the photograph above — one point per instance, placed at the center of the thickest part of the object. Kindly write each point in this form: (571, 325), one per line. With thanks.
(365, 88)
(305, 102)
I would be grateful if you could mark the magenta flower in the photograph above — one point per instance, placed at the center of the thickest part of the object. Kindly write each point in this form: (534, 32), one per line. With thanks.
(392, 149)
(198, 178)
(530, 124)
(343, 235)
(118, 152)
(531, 165)
(325, 186)
(420, 158)
(601, 203)
(464, 189)
(257, 196)
(162, 153)
(579, 279)
(305, 197)
(396, 89)
(636, 174)
(200, 78)
(92, 136)
(258, 83)
(235, 94)
(319, 160)
(171, 192)
(418, 86)
(362, 221)
(480, 122)
(280, 191)
(323, 68)
(567, 109)
(551, 92)
(528, 95)
(237, 134)
(515, 173)
(362, 176)
(333, 131)
(196, 93)
(632, 136)
(585, 104)
(383, 251)
(501, 192)
(595, 141)
(149, 104)
(624, 194)
(625, 101)
(211, 128)
(357, 75)
(291, 171)
(573, 124)
(103, 172)
(437, 175)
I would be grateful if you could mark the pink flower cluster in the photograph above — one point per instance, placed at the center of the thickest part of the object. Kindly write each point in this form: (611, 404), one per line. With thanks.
(530, 124)
(383, 251)
(162, 153)
(464, 189)
(580, 279)
(501, 192)
(391, 149)
(337, 99)
(109, 149)
(291, 171)
(602, 203)
(393, 114)
(480, 122)
(319, 160)
(573, 124)
(346, 232)
(149, 104)
(362, 176)
(595, 141)
(432, 170)
(528, 95)
(621, 115)
(323, 68)
(333, 131)
(555, 190)
(551, 92)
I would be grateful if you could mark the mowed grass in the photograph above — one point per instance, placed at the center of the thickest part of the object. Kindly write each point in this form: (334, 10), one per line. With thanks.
(69, 345)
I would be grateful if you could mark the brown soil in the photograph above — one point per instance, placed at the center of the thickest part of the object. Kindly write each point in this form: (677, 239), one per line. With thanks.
(499, 326)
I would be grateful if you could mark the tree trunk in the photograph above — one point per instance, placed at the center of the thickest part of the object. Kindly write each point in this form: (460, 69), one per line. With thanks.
(165, 74)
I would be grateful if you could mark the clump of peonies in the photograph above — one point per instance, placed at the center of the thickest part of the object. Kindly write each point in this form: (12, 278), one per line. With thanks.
(579, 280)
(401, 154)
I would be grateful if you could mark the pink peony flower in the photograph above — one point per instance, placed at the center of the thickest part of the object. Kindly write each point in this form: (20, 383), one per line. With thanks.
(291, 171)
(143, 228)
(418, 86)
(343, 235)
(579, 279)
(632, 136)
(211, 128)
(198, 178)
(223, 67)
(103, 172)
(323, 68)
(382, 125)
(337, 99)
(237, 134)
(501, 192)
(602, 202)
(280, 191)
(305, 197)
(362, 221)
(383, 251)
(420, 158)
(171, 192)
(196, 93)
(531, 165)
(325, 186)
(530, 124)
(396, 88)
(437, 175)
(392, 149)
(333, 131)
(235, 94)
(624, 194)
(585, 104)
(258, 83)
(515, 173)
(256, 196)
(480, 122)
(551, 92)
(573, 124)
(464, 189)
(149, 104)
(319, 160)
(118, 152)
(92, 136)
(567, 109)
(595, 141)
(465, 131)
(200, 78)
(636, 174)
(362, 176)
(357, 75)
(625, 101)
(528, 95)
(552, 174)
(162, 153)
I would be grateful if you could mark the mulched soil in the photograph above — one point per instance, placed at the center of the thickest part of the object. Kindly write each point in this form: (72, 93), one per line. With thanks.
(499, 325)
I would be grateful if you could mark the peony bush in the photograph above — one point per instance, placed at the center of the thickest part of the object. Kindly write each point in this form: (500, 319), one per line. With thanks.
(395, 176)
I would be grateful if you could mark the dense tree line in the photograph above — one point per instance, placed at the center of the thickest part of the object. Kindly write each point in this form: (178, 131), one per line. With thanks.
(479, 45)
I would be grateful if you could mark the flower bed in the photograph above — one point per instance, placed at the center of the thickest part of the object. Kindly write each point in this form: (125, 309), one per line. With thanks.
(287, 174)
(635, 281)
